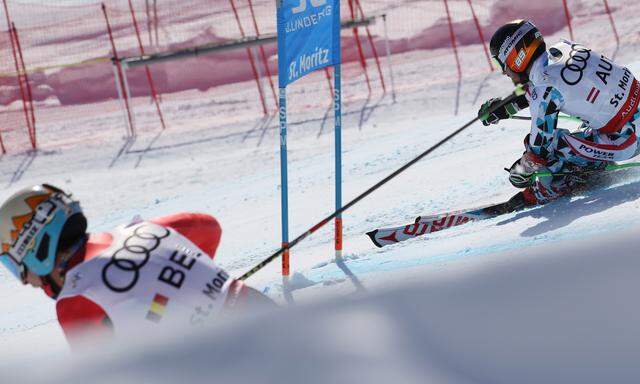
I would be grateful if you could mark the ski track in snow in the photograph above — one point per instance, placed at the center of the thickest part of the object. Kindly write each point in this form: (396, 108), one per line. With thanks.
(229, 167)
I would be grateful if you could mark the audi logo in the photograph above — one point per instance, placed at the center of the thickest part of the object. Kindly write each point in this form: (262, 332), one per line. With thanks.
(122, 272)
(573, 68)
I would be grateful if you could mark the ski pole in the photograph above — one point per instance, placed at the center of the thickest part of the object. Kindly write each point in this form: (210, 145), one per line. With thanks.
(562, 117)
(517, 92)
(608, 167)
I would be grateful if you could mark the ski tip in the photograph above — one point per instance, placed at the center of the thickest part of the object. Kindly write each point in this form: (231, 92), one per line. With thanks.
(372, 236)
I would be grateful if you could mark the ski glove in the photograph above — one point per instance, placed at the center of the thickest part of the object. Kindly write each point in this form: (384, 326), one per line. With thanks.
(521, 171)
(502, 112)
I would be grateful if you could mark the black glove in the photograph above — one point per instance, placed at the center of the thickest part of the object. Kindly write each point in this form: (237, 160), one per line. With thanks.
(502, 112)
(521, 171)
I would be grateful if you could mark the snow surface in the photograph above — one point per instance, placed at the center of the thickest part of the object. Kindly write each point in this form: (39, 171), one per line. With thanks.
(520, 298)
(554, 313)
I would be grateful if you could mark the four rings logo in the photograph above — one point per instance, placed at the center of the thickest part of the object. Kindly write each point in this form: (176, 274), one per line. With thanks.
(573, 68)
(122, 272)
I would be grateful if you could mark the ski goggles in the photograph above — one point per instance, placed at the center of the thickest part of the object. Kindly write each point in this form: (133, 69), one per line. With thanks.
(497, 63)
(35, 246)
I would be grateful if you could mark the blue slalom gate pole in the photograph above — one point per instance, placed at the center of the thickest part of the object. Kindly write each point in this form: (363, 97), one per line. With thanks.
(284, 184)
(338, 155)
(305, 47)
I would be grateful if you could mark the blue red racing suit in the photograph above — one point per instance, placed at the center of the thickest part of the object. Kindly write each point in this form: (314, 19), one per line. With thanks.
(558, 150)
(582, 83)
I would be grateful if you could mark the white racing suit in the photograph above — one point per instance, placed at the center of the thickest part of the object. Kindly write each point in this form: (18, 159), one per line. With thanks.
(579, 82)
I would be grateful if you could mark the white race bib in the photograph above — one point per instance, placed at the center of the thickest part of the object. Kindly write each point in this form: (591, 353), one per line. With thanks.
(151, 275)
(595, 89)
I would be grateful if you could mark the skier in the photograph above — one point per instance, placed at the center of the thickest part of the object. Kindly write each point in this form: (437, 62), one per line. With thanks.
(570, 78)
(154, 272)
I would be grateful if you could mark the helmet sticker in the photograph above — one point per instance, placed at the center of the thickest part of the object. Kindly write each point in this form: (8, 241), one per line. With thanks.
(511, 41)
(21, 221)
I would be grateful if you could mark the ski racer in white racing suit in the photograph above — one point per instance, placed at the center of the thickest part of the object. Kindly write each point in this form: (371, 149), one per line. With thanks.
(572, 79)
(157, 274)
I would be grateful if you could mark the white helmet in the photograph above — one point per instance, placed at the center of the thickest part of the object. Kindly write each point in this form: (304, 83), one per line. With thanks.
(31, 228)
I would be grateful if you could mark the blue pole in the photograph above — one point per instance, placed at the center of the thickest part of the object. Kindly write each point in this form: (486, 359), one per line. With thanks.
(337, 106)
(284, 185)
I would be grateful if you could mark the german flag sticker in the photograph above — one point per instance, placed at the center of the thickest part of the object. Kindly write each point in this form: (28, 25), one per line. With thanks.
(158, 306)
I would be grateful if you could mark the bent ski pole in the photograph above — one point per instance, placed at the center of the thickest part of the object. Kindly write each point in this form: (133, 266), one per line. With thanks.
(608, 167)
(517, 92)
(562, 117)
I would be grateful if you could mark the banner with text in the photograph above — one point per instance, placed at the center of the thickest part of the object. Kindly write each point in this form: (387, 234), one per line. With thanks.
(308, 37)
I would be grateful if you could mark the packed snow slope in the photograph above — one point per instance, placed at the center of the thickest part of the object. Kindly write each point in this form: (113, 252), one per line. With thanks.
(553, 313)
(536, 296)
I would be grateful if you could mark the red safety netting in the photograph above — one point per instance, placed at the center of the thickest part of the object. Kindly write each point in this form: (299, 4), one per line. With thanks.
(66, 51)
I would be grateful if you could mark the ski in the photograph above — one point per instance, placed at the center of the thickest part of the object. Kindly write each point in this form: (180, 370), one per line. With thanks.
(429, 224)
(435, 223)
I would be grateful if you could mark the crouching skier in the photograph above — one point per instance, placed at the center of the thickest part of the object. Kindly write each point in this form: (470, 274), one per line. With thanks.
(139, 274)
(570, 78)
